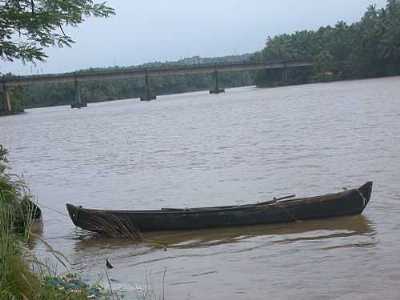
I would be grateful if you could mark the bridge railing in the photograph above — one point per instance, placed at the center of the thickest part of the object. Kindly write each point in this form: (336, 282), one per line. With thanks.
(150, 71)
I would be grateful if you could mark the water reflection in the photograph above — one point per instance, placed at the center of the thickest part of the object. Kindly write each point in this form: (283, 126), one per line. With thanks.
(36, 230)
(245, 146)
(194, 257)
(292, 232)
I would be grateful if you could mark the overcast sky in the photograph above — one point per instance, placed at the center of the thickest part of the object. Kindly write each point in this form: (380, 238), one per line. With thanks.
(160, 30)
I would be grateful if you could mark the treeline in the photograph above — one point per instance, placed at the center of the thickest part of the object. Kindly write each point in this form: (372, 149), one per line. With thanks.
(368, 48)
(94, 91)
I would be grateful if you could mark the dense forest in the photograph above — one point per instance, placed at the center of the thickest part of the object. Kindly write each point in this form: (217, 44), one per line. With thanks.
(367, 48)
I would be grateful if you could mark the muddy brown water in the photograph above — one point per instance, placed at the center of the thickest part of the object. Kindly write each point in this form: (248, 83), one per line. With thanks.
(243, 146)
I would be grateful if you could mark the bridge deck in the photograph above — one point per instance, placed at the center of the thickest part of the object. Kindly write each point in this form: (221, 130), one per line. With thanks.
(140, 72)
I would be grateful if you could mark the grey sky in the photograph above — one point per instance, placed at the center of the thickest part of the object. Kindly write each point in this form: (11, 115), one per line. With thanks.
(150, 30)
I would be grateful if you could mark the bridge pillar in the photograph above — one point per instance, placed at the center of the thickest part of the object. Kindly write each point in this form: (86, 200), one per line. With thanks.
(217, 89)
(148, 96)
(7, 108)
(77, 102)
(285, 74)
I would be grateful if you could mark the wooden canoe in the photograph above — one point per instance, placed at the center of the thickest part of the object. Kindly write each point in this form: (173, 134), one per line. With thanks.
(123, 222)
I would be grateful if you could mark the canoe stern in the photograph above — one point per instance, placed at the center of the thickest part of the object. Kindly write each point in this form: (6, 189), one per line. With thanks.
(366, 190)
(73, 212)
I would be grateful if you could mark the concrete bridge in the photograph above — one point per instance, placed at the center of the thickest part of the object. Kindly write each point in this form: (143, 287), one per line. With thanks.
(125, 73)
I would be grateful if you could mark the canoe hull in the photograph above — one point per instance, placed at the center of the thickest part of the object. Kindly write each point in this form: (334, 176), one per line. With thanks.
(121, 222)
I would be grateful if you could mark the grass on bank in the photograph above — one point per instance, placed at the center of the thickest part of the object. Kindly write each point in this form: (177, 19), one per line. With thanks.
(23, 276)
(17, 279)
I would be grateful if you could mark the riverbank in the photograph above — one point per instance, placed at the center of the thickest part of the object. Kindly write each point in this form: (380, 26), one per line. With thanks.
(262, 85)
(3, 113)
(22, 275)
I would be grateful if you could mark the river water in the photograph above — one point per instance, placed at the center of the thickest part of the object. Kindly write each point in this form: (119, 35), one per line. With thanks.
(243, 146)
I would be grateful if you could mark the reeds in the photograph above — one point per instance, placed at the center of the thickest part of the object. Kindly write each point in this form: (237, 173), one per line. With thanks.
(23, 276)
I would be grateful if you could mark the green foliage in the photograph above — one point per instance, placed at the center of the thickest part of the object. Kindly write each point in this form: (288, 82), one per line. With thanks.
(366, 48)
(14, 273)
(324, 64)
(3, 159)
(15, 199)
(17, 102)
(28, 26)
(17, 279)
